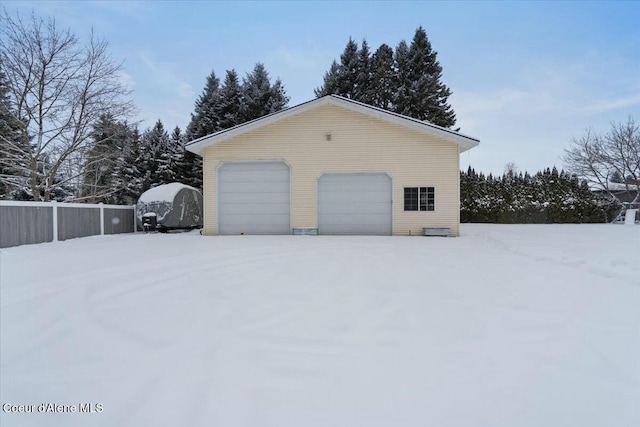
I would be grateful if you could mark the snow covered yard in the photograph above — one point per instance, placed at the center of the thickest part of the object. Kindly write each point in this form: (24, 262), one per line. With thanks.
(509, 325)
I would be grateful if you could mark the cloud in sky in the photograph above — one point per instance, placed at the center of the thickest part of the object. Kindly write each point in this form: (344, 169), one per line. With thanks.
(136, 10)
(294, 58)
(166, 76)
(163, 93)
(126, 79)
(615, 103)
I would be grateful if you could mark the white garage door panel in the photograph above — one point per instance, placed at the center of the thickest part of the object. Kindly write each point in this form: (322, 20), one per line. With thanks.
(255, 187)
(354, 203)
(254, 198)
(265, 209)
(242, 220)
(253, 176)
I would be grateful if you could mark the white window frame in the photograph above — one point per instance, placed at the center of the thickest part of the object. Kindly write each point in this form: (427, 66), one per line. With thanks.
(419, 199)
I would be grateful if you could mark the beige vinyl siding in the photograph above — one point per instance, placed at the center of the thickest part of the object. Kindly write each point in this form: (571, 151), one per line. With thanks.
(358, 143)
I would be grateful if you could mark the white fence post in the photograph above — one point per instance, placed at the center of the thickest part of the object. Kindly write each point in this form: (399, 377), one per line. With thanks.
(54, 206)
(135, 219)
(101, 218)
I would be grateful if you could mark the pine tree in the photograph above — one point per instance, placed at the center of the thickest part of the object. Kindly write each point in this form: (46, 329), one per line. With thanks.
(330, 82)
(204, 119)
(427, 96)
(226, 106)
(11, 137)
(129, 174)
(176, 141)
(188, 165)
(383, 83)
(407, 81)
(341, 79)
(229, 108)
(279, 98)
(109, 141)
(348, 70)
(402, 80)
(168, 162)
(259, 96)
(362, 88)
(155, 160)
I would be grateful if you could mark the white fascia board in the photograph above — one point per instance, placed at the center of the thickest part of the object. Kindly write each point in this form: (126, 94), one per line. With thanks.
(464, 142)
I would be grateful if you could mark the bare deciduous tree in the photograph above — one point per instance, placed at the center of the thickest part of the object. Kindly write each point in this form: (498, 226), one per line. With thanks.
(59, 87)
(601, 158)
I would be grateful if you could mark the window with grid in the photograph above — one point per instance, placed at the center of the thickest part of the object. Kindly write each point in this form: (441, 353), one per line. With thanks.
(419, 199)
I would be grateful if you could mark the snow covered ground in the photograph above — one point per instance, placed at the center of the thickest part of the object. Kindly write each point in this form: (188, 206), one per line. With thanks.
(509, 325)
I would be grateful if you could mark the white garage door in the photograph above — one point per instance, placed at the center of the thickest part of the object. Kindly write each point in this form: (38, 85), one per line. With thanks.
(354, 203)
(254, 198)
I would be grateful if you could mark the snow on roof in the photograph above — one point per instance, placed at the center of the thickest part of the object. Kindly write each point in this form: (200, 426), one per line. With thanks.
(163, 193)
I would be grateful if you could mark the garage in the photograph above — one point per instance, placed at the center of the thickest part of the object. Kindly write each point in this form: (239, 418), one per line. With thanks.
(254, 198)
(331, 166)
(354, 203)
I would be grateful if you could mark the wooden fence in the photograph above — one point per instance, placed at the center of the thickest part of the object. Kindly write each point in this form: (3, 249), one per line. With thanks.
(23, 223)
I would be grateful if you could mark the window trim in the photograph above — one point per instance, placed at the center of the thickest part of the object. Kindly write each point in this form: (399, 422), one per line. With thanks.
(421, 199)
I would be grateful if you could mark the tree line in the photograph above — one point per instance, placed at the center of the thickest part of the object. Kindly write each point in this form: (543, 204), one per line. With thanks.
(549, 196)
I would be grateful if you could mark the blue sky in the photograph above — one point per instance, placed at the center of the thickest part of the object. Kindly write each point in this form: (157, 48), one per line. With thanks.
(526, 76)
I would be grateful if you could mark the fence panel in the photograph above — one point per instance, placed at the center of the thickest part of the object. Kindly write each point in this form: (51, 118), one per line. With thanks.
(118, 221)
(77, 222)
(23, 225)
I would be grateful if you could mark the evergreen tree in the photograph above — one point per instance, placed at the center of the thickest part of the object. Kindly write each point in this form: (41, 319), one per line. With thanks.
(109, 142)
(188, 165)
(11, 137)
(427, 96)
(190, 169)
(408, 82)
(402, 79)
(222, 107)
(155, 160)
(549, 196)
(169, 160)
(259, 96)
(229, 108)
(279, 99)
(204, 119)
(348, 73)
(176, 141)
(341, 79)
(362, 88)
(129, 174)
(383, 83)
(330, 82)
